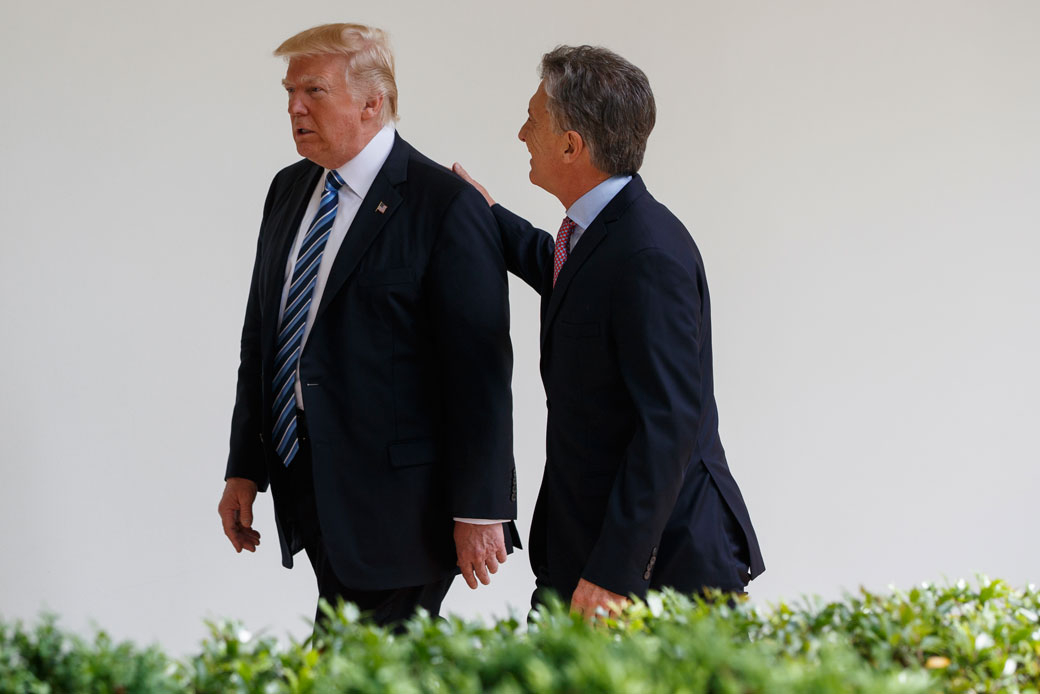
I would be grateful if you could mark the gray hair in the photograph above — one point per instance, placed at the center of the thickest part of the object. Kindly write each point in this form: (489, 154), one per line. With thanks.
(370, 68)
(605, 99)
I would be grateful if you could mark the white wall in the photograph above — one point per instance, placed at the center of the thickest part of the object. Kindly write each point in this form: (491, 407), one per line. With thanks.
(862, 178)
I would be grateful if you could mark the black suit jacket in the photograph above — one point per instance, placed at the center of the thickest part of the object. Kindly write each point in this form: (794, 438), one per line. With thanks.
(405, 373)
(636, 492)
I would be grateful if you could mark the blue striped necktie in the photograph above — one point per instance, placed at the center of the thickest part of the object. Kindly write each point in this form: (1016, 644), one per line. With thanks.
(294, 320)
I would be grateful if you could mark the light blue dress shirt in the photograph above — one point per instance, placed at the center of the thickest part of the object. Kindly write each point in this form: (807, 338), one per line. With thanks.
(586, 208)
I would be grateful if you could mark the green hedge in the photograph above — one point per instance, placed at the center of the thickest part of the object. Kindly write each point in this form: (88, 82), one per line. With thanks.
(954, 638)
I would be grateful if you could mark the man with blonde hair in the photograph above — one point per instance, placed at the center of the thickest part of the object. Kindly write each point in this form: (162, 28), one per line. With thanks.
(374, 383)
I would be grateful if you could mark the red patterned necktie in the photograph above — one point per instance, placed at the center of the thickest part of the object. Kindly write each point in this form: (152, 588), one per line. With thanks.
(563, 242)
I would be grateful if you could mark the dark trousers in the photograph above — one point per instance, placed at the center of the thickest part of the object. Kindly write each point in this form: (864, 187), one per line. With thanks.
(387, 607)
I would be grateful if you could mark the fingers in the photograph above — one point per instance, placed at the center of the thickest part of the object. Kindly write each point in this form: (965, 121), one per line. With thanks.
(480, 549)
(474, 573)
(236, 514)
(580, 603)
(245, 511)
(590, 613)
(227, 519)
(464, 175)
(249, 542)
(228, 510)
(247, 537)
(240, 536)
(592, 602)
(467, 574)
(578, 607)
(251, 534)
(244, 538)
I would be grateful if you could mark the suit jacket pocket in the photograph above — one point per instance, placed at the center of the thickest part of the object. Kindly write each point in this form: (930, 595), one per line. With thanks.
(578, 329)
(394, 275)
(411, 453)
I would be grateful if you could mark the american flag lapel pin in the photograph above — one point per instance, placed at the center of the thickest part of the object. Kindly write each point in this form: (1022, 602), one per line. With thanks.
(381, 207)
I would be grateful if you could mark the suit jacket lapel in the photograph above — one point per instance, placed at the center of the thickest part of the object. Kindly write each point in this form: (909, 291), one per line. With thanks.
(287, 229)
(582, 250)
(380, 203)
(588, 242)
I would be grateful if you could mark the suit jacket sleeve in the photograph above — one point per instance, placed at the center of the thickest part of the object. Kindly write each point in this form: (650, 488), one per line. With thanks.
(655, 321)
(469, 311)
(528, 251)
(246, 458)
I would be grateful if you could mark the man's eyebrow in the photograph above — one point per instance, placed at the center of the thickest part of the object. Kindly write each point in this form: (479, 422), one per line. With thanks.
(307, 79)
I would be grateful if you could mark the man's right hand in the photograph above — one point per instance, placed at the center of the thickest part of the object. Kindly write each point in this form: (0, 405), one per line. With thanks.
(236, 513)
(464, 175)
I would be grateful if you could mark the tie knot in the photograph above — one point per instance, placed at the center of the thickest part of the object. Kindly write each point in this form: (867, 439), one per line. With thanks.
(565, 230)
(333, 181)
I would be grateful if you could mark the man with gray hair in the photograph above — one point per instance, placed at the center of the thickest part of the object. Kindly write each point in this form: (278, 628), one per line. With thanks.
(637, 492)
(374, 383)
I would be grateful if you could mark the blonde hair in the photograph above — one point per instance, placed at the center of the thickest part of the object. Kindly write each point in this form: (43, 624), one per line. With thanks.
(370, 67)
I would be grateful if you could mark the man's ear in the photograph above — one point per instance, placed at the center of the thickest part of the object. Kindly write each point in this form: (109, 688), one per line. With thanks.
(574, 147)
(373, 107)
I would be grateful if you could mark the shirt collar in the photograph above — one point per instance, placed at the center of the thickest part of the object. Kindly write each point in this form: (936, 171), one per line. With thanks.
(586, 208)
(360, 172)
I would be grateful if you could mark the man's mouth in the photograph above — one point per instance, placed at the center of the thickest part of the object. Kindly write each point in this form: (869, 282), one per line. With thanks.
(303, 131)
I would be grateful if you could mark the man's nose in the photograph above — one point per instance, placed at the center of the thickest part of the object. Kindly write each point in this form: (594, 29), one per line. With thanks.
(296, 105)
(521, 133)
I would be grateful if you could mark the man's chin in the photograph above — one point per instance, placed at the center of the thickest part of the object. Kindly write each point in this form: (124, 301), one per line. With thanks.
(538, 181)
(306, 152)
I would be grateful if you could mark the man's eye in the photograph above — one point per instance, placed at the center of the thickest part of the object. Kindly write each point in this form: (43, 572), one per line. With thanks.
(315, 90)
(289, 90)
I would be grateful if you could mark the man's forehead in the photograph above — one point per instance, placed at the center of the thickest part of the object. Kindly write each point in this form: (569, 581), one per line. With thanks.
(314, 68)
(538, 99)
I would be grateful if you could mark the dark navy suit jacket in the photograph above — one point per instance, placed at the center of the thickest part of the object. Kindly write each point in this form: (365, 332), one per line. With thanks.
(405, 374)
(637, 492)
